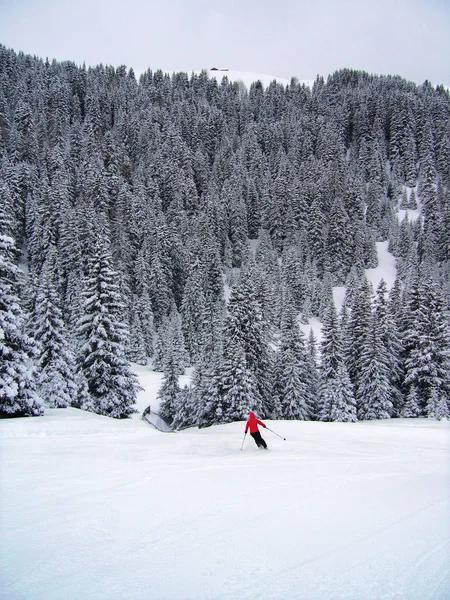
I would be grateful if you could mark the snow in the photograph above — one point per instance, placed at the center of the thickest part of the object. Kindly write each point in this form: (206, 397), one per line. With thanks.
(314, 325)
(413, 215)
(151, 381)
(386, 270)
(247, 77)
(97, 508)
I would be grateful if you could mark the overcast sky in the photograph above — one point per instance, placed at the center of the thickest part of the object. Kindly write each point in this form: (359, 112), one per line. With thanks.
(282, 38)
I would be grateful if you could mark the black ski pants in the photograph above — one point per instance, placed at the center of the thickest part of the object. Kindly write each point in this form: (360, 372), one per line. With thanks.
(259, 441)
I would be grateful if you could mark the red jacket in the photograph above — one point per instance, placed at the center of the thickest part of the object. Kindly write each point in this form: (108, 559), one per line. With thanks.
(253, 423)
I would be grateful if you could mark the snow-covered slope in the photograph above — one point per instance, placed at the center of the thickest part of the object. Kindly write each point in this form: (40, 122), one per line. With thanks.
(246, 77)
(385, 270)
(94, 509)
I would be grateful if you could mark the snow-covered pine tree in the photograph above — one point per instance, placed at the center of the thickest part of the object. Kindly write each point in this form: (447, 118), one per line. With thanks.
(239, 392)
(312, 360)
(427, 339)
(18, 374)
(192, 309)
(373, 392)
(412, 203)
(293, 276)
(232, 198)
(437, 406)
(357, 330)
(294, 384)
(136, 348)
(208, 394)
(59, 384)
(411, 408)
(169, 391)
(339, 243)
(111, 383)
(142, 301)
(206, 387)
(370, 254)
(337, 402)
(404, 202)
(292, 392)
(331, 347)
(245, 323)
(160, 278)
(160, 345)
(316, 233)
(169, 347)
(184, 413)
(384, 317)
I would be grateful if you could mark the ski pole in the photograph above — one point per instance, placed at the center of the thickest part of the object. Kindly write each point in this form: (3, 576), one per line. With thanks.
(283, 438)
(242, 445)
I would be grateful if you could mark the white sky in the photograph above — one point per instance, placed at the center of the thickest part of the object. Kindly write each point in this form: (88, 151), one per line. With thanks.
(286, 38)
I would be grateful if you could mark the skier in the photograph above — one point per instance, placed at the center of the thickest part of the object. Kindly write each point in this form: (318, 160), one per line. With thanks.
(252, 424)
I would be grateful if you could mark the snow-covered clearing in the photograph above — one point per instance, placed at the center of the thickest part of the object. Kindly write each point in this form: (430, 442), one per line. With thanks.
(246, 77)
(98, 509)
(385, 270)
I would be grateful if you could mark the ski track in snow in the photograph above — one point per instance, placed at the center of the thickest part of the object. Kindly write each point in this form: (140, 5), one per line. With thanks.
(93, 508)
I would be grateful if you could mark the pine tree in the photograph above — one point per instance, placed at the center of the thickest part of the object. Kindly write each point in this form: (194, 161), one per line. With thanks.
(169, 392)
(59, 384)
(294, 380)
(136, 347)
(185, 413)
(426, 340)
(208, 393)
(111, 384)
(337, 402)
(18, 375)
(412, 203)
(404, 203)
(232, 197)
(339, 243)
(384, 318)
(411, 407)
(437, 406)
(358, 330)
(245, 323)
(192, 310)
(240, 394)
(292, 390)
(170, 346)
(373, 392)
(316, 233)
(312, 361)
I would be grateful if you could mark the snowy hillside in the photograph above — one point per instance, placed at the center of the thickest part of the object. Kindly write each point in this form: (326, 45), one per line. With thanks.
(136, 235)
(95, 508)
(386, 271)
(247, 77)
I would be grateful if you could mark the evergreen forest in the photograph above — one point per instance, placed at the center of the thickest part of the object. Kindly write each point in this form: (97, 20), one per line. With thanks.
(196, 224)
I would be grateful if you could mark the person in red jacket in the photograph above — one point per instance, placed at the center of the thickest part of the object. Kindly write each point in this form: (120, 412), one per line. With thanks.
(252, 424)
